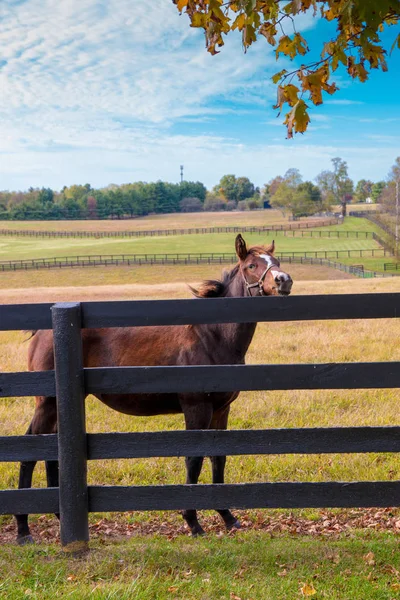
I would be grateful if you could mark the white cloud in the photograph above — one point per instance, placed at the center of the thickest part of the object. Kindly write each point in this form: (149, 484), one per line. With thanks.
(343, 102)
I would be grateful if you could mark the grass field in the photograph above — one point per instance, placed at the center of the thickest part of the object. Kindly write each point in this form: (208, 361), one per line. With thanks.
(279, 555)
(171, 221)
(25, 248)
(249, 566)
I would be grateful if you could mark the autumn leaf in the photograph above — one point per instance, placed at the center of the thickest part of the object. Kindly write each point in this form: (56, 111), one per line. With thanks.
(308, 589)
(239, 22)
(369, 558)
(181, 4)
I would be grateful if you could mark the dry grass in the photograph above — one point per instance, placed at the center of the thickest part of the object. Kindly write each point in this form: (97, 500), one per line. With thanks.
(20, 286)
(171, 221)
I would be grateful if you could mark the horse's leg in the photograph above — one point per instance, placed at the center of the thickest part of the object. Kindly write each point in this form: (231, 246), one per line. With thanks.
(220, 421)
(198, 415)
(44, 421)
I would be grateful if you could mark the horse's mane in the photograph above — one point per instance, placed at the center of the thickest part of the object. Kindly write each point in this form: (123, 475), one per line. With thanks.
(215, 288)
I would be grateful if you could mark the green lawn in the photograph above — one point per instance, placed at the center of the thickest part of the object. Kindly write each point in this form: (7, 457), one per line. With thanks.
(22, 248)
(247, 566)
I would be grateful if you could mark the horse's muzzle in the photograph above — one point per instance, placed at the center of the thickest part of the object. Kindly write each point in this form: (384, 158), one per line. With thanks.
(285, 283)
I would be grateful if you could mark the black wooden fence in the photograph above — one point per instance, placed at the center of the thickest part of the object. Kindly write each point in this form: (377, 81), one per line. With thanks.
(167, 232)
(176, 258)
(74, 499)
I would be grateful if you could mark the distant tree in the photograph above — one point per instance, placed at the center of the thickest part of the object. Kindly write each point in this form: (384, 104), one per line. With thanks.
(336, 185)
(46, 196)
(363, 190)
(193, 189)
(394, 173)
(377, 189)
(234, 189)
(245, 189)
(92, 208)
(214, 202)
(191, 205)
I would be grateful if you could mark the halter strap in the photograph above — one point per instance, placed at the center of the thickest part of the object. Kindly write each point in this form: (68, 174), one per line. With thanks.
(258, 283)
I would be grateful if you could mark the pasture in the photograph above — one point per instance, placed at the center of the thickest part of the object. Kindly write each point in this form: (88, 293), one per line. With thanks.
(279, 553)
(14, 248)
(169, 221)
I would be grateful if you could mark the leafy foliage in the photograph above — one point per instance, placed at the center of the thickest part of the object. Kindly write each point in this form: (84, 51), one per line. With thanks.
(357, 45)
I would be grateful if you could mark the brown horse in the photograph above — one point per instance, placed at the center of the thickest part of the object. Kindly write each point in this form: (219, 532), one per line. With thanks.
(257, 273)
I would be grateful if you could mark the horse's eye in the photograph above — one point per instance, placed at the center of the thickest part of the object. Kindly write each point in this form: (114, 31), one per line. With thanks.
(252, 267)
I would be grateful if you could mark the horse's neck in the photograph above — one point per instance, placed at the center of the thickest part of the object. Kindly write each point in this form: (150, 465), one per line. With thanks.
(232, 340)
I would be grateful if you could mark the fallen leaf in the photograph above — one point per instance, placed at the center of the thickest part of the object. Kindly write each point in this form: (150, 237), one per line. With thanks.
(282, 573)
(172, 589)
(308, 589)
(72, 578)
(234, 597)
(369, 559)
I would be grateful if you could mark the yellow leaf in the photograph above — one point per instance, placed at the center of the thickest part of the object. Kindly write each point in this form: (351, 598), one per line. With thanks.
(181, 4)
(239, 22)
(199, 19)
(308, 589)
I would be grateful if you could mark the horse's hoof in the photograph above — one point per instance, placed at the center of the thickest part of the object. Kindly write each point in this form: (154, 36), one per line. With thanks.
(198, 532)
(25, 540)
(235, 525)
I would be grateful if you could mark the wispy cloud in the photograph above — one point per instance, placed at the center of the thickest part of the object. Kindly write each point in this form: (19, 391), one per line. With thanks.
(343, 102)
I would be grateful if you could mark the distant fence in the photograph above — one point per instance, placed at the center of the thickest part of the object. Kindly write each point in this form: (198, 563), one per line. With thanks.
(166, 232)
(389, 245)
(103, 260)
(391, 266)
(71, 382)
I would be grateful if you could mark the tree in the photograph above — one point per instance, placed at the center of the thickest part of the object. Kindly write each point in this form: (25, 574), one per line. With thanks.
(336, 185)
(193, 189)
(394, 173)
(363, 190)
(245, 189)
(293, 177)
(356, 44)
(191, 205)
(227, 187)
(377, 189)
(46, 196)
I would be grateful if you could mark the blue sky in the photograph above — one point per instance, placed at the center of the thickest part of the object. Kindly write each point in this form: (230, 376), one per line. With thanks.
(123, 90)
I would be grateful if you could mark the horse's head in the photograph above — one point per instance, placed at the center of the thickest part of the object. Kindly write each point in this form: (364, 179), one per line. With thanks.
(261, 271)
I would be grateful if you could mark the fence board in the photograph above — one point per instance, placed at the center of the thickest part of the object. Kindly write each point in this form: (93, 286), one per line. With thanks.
(249, 495)
(15, 448)
(213, 310)
(29, 501)
(37, 383)
(231, 378)
(235, 442)
(229, 310)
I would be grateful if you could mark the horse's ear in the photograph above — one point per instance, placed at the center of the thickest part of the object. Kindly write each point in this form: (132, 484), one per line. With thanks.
(271, 247)
(240, 246)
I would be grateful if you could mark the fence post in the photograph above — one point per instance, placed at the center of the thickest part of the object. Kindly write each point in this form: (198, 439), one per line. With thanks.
(72, 450)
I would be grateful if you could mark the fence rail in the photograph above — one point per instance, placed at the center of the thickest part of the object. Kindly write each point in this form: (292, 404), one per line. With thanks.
(391, 266)
(104, 260)
(72, 447)
(167, 232)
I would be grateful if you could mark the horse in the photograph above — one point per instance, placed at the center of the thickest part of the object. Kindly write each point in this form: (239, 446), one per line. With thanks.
(257, 273)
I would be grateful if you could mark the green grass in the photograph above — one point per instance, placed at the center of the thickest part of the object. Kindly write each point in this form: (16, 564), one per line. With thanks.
(26, 248)
(248, 566)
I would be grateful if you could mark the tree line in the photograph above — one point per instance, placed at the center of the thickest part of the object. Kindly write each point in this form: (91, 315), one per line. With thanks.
(288, 193)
